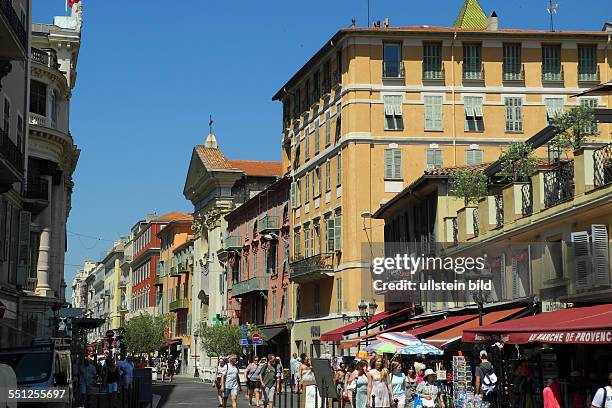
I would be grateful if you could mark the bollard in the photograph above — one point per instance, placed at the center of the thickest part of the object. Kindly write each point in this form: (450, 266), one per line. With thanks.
(316, 396)
(291, 399)
(299, 397)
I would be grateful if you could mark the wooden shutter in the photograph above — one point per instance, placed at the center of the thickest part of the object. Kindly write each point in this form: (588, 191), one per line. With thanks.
(293, 195)
(328, 124)
(601, 254)
(437, 113)
(428, 113)
(388, 100)
(430, 159)
(582, 258)
(397, 164)
(327, 175)
(438, 158)
(338, 233)
(329, 234)
(515, 278)
(23, 266)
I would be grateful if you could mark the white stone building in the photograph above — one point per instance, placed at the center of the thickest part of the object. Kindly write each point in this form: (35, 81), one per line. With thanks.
(80, 290)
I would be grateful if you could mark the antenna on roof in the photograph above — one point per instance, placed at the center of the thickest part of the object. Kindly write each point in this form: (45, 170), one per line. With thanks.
(210, 124)
(368, 20)
(552, 9)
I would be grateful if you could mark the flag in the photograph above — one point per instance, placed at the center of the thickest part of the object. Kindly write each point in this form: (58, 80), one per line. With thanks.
(72, 3)
(552, 8)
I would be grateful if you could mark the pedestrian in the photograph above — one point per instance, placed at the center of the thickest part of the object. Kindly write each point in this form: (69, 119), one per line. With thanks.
(429, 392)
(398, 385)
(551, 395)
(420, 372)
(279, 374)
(340, 381)
(230, 382)
(221, 368)
(303, 359)
(411, 385)
(294, 366)
(163, 368)
(127, 371)
(485, 380)
(603, 396)
(252, 375)
(171, 367)
(378, 385)
(362, 383)
(267, 378)
(87, 377)
(111, 376)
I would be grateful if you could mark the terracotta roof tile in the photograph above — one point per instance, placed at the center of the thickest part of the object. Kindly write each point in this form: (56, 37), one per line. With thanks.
(447, 171)
(258, 168)
(213, 158)
(174, 216)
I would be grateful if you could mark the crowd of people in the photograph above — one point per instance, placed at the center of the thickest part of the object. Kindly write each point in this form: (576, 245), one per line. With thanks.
(108, 375)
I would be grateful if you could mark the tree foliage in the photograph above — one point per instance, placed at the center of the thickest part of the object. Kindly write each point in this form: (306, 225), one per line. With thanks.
(145, 333)
(469, 184)
(517, 162)
(573, 127)
(222, 340)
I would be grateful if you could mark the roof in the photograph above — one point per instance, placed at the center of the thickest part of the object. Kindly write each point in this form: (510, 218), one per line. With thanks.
(258, 168)
(333, 42)
(471, 16)
(174, 216)
(450, 170)
(601, 89)
(580, 325)
(213, 158)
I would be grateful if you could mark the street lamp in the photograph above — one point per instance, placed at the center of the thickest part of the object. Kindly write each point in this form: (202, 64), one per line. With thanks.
(366, 312)
(196, 373)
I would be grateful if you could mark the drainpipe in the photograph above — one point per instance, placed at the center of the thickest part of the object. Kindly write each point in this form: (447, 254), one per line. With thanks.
(453, 98)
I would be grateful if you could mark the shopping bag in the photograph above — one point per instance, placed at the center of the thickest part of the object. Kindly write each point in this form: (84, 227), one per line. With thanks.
(418, 402)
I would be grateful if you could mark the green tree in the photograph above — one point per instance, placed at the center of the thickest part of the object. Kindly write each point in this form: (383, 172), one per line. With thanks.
(469, 184)
(517, 162)
(573, 127)
(222, 340)
(145, 333)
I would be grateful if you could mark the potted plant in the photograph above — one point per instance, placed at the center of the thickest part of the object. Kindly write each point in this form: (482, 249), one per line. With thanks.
(517, 166)
(573, 127)
(471, 185)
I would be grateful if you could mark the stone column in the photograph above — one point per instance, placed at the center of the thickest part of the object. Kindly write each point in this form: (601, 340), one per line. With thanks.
(43, 268)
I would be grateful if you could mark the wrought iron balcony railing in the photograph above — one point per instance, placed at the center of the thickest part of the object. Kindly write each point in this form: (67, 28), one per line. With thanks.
(6, 7)
(475, 221)
(268, 223)
(526, 200)
(312, 268)
(589, 76)
(455, 230)
(257, 284)
(432, 72)
(473, 73)
(602, 163)
(559, 184)
(550, 75)
(10, 151)
(232, 242)
(393, 69)
(499, 211)
(37, 189)
(179, 304)
(174, 271)
(514, 72)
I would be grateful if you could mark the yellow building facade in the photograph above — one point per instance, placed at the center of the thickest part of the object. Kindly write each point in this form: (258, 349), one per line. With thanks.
(375, 107)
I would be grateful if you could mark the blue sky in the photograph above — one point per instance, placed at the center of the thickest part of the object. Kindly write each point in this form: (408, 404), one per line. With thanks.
(151, 71)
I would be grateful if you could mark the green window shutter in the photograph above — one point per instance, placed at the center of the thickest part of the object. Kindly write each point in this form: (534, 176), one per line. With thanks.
(338, 233)
(512, 62)
(469, 157)
(388, 163)
(437, 113)
(430, 159)
(306, 144)
(327, 128)
(397, 105)
(587, 63)
(316, 136)
(329, 234)
(397, 164)
(339, 170)
(438, 158)
(327, 175)
(468, 104)
(388, 101)
(307, 199)
(551, 62)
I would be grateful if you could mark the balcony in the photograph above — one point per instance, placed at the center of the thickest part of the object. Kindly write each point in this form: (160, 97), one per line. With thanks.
(393, 70)
(514, 72)
(602, 166)
(179, 304)
(157, 281)
(473, 73)
(37, 194)
(432, 73)
(268, 223)
(526, 200)
(123, 307)
(11, 161)
(257, 284)
(591, 77)
(559, 184)
(553, 76)
(232, 243)
(312, 268)
(12, 28)
(183, 267)
(174, 271)
(46, 58)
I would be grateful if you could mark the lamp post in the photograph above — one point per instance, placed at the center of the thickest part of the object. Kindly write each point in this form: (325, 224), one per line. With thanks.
(196, 373)
(290, 323)
(366, 312)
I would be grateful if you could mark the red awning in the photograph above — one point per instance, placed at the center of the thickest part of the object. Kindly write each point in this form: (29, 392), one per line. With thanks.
(336, 334)
(454, 333)
(581, 325)
(449, 321)
(397, 328)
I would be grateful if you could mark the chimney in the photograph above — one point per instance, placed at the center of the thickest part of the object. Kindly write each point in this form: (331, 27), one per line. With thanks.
(492, 22)
(386, 22)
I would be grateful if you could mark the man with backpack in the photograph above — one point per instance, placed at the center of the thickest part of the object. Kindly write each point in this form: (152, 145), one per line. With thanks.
(486, 380)
(603, 396)
(267, 377)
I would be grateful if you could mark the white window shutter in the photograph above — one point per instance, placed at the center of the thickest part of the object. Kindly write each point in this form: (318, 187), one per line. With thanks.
(398, 106)
(469, 157)
(438, 156)
(437, 113)
(430, 159)
(388, 100)
(428, 113)
(329, 235)
(601, 254)
(397, 164)
(468, 103)
(293, 195)
(388, 163)
(515, 278)
(582, 258)
(477, 106)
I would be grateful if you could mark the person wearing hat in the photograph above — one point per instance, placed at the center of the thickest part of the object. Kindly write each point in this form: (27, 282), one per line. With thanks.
(485, 380)
(429, 391)
(603, 396)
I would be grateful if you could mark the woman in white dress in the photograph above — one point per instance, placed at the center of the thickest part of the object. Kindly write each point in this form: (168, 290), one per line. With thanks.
(379, 385)
(310, 388)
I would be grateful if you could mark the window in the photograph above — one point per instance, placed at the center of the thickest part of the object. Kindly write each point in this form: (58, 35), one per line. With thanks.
(393, 164)
(554, 248)
(316, 136)
(512, 62)
(316, 87)
(292, 192)
(307, 94)
(284, 304)
(271, 257)
(338, 73)
(393, 112)
(6, 126)
(554, 108)
(273, 306)
(297, 108)
(433, 112)
(316, 232)
(587, 63)
(317, 299)
(591, 103)
(328, 175)
(317, 182)
(338, 231)
(327, 77)
(551, 63)
(327, 128)
(474, 121)
(306, 145)
(339, 170)
(472, 64)
(298, 197)
(432, 61)
(473, 156)
(433, 159)
(307, 199)
(338, 121)
(339, 294)
(392, 60)
(54, 108)
(297, 244)
(308, 242)
(38, 98)
(329, 234)
(255, 263)
(514, 114)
